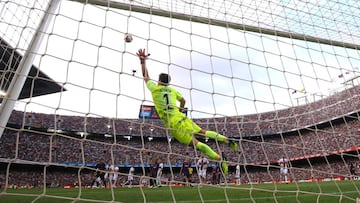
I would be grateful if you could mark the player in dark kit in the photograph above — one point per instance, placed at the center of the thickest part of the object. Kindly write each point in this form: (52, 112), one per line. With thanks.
(100, 174)
(153, 172)
(185, 171)
(215, 174)
(352, 169)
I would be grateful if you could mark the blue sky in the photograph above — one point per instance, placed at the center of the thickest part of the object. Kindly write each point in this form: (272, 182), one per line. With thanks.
(219, 71)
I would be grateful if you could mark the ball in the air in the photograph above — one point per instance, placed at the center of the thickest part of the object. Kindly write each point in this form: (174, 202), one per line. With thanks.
(128, 38)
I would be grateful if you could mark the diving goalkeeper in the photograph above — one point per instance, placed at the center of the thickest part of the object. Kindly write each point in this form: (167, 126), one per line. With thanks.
(180, 126)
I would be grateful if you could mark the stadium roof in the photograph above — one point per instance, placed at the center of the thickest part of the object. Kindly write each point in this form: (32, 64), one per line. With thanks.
(37, 82)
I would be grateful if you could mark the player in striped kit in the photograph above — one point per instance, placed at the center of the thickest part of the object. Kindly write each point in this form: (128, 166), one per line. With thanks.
(283, 163)
(202, 165)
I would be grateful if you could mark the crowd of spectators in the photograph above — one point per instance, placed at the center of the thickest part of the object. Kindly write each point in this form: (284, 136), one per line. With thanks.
(338, 105)
(319, 129)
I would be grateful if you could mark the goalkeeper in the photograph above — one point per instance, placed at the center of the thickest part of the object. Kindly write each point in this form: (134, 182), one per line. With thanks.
(180, 127)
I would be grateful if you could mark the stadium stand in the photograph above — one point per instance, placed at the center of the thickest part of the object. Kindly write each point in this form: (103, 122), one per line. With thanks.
(322, 135)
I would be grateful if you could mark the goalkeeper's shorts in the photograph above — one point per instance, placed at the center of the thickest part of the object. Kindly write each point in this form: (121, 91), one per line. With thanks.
(182, 128)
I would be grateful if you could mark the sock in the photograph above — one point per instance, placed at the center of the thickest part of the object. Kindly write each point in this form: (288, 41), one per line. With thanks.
(207, 150)
(215, 135)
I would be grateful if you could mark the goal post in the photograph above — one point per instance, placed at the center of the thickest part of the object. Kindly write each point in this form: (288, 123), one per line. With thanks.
(18, 80)
(132, 6)
(279, 78)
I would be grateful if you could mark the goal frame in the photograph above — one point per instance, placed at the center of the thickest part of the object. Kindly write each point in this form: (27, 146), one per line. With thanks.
(215, 22)
(18, 81)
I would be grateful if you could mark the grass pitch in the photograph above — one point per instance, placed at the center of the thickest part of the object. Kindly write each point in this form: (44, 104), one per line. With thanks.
(328, 192)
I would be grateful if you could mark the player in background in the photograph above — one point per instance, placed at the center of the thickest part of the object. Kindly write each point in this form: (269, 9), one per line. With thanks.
(109, 168)
(185, 171)
(238, 174)
(215, 174)
(153, 172)
(283, 163)
(99, 180)
(159, 172)
(202, 165)
(352, 169)
(130, 177)
(180, 127)
(115, 176)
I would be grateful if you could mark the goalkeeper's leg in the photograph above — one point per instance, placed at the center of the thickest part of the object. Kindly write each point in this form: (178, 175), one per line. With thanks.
(204, 148)
(220, 138)
(180, 131)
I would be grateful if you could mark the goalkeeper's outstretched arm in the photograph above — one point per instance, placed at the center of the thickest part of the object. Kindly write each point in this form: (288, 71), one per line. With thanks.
(143, 56)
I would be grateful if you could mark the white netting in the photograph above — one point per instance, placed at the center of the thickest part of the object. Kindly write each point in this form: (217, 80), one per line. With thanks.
(278, 77)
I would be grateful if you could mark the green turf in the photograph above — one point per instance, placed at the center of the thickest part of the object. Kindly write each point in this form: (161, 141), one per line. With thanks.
(345, 191)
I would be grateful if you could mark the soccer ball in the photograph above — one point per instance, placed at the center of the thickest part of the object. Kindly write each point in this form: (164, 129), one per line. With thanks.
(128, 37)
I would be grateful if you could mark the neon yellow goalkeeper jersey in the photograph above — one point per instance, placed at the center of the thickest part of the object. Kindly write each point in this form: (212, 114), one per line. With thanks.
(165, 99)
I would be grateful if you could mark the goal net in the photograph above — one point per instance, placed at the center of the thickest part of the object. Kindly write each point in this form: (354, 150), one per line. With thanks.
(280, 78)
